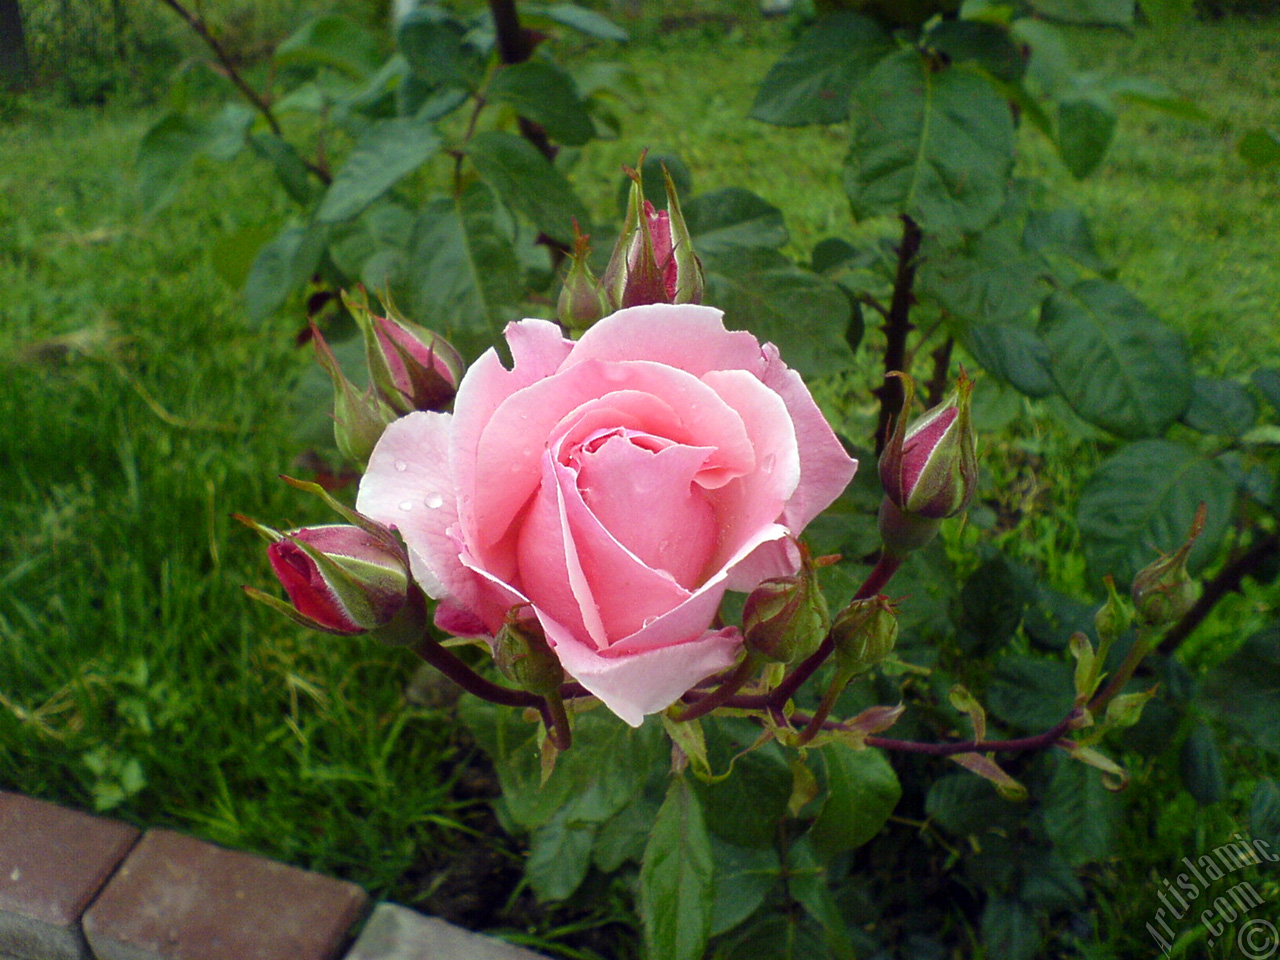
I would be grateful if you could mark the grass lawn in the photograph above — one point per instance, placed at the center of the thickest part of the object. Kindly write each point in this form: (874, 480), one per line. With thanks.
(139, 409)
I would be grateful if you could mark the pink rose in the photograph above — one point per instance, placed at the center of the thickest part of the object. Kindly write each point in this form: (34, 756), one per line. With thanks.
(618, 485)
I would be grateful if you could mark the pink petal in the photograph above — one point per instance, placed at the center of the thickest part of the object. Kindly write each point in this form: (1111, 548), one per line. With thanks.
(685, 336)
(647, 682)
(825, 469)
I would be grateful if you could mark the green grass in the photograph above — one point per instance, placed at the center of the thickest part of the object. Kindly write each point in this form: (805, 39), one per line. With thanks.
(139, 409)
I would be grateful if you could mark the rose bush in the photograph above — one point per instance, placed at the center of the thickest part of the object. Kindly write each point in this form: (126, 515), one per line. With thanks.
(617, 485)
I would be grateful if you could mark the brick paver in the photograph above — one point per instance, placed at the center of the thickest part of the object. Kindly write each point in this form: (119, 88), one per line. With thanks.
(396, 933)
(52, 863)
(178, 898)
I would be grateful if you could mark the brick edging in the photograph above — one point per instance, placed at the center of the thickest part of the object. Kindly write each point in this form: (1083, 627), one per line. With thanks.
(74, 886)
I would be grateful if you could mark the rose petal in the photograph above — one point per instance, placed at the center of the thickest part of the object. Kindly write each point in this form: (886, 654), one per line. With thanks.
(649, 681)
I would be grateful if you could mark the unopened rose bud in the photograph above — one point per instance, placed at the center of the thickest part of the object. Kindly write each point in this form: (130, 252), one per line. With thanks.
(339, 578)
(523, 656)
(930, 469)
(582, 298)
(1114, 617)
(864, 633)
(410, 367)
(358, 417)
(1163, 591)
(785, 618)
(684, 277)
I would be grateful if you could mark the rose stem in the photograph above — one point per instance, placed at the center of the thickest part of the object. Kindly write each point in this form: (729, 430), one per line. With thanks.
(556, 721)
(470, 681)
(745, 671)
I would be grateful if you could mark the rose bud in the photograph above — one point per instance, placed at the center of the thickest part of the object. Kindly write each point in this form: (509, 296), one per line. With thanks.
(358, 418)
(410, 367)
(931, 468)
(786, 618)
(864, 633)
(1163, 591)
(340, 578)
(522, 655)
(582, 299)
(1114, 617)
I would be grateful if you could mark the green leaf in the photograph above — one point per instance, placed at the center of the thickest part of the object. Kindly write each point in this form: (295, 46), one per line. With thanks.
(1168, 13)
(281, 267)
(862, 791)
(1086, 126)
(965, 804)
(546, 95)
(176, 139)
(1112, 13)
(808, 883)
(388, 151)
(812, 82)
(1244, 689)
(991, 603)
(1141, 501)
(677, 878)
(232, 254)
(1267, 381)
(466, 281)
(1264, 817)
(804, 314)
(985, 44)
(1080, 814)
(1009, 929)
(289, 167)
(1031, 693)
(527, 183)
(1050, 884)
(1014, 354)
(585, 21)
(761, 782)
(332, 41)
(436, 48)
(989, 278)
(1202, 766)
(560, 854)
(1260, 147)
(1117, 365)
(724, 219)
(1065, 232)
(936, 146)
(744, 877)
(1221, 407)
(375, 249)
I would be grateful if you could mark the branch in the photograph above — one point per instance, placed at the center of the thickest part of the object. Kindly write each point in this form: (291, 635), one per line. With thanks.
(1039, 742)
(936, 388)
(1227, 580)
(201, 29)
(897, 326)
(470, 681)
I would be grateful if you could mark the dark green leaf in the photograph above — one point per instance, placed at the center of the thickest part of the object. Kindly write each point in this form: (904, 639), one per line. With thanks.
(559, 854)
(831, 253)
(1085, 128)
(375, 250)
(579, 18)
(809, 884)
(724, 219)
(1154, 95)
(990, 278)
(437, 50)
(744, 877)
(862, 791)
(985, 44)
(281, 267)
(1244, 689)
(804, 314)
(1141, 501)
(1168, 13)
(1080, 814)
(1261, 148)
(527, 183)
(991, 602)
(813, 80)
(760, 782)
(1118, 366)
(1264, 819)
(546, 95)
(936, 146)
(1050, 884)
(389, 151)
(290, 169)
(1221, 407)
(466, 282)
(622, 837)
(965, 804)
(1030, 693)
(332, 41)
(784, 936)
(232, 254)
(1066, 232)
(1014, 354)
(1267, 380)
(1202, 766)
(677, 878)
(1114, 13)
(177, 139)
(1009, 929)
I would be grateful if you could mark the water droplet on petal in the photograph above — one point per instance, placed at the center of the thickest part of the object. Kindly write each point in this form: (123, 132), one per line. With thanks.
(648, 621)
(406, 504)
(434, 500)
(401, 466)
(767, 463)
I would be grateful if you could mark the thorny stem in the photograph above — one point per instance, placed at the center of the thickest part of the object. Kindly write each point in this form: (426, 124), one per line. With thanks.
(936, 388)
(470, 681)
(556, 720)
(896, 327)
(719, 696)
(1039, 742)
(201, 29)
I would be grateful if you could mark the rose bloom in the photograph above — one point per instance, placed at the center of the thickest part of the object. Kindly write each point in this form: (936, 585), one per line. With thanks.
(617, 486)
